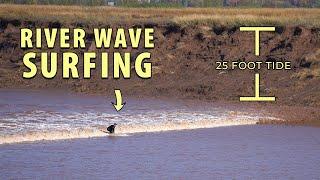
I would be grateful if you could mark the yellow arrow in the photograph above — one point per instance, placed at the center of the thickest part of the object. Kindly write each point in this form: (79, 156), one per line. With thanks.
(118, 105)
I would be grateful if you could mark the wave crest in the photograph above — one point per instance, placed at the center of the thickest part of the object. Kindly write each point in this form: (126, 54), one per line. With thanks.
(120, 130)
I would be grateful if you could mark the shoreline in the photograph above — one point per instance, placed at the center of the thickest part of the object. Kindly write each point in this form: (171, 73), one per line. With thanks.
(302, 123)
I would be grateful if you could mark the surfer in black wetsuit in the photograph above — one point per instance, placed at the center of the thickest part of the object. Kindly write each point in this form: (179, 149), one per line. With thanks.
(111, 128)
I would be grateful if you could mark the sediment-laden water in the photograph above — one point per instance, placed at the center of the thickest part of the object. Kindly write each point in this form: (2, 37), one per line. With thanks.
(234, 152)
(45, 115)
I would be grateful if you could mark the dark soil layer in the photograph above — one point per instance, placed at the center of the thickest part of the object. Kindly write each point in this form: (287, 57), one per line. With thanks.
(184, 64)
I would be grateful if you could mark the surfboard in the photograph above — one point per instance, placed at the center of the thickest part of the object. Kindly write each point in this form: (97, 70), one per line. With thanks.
(107, 132)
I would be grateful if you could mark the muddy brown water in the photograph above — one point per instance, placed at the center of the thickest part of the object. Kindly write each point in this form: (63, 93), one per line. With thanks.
(156, 139)
(237, 152)
(28, 115)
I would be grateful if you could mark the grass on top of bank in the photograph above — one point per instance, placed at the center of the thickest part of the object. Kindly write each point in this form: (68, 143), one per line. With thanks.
(181, 16)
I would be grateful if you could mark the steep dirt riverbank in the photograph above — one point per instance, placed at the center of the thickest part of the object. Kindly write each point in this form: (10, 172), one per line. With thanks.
(184, 64)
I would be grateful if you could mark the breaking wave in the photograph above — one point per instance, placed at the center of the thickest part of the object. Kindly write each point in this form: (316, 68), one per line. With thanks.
(33, 116)
(121, 130)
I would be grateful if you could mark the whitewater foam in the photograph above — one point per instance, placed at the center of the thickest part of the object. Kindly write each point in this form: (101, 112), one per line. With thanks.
(121, 130)
(38, 116)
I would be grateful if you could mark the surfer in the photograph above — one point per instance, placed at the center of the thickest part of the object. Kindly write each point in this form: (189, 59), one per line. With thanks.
(111, 128)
